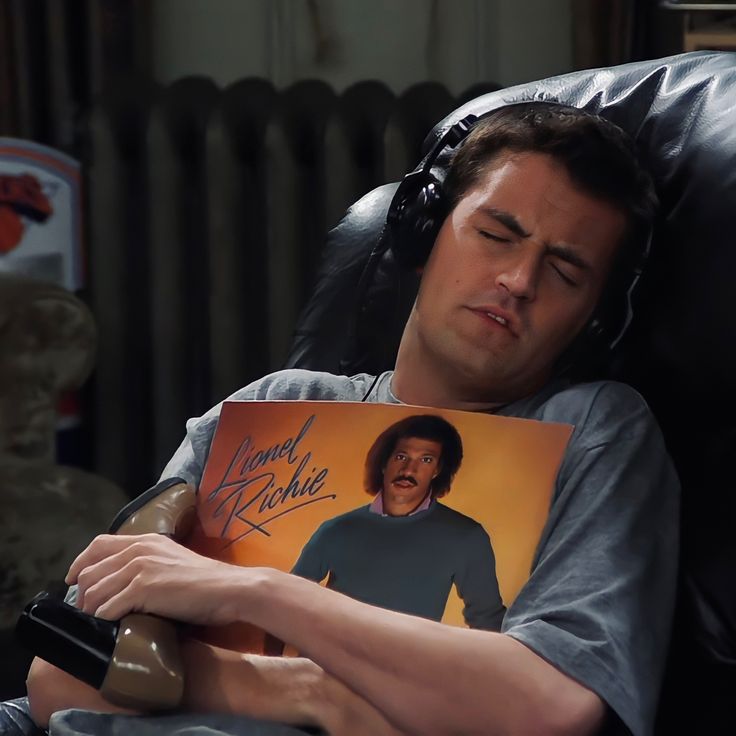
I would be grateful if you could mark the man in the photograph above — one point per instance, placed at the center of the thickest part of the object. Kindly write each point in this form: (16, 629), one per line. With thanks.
(405, 550)
(545, 205)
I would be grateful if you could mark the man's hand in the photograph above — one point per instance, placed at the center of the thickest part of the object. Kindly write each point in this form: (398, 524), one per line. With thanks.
(150, 573)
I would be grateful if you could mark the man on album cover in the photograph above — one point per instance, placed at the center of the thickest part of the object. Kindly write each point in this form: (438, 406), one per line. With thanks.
(405, 550)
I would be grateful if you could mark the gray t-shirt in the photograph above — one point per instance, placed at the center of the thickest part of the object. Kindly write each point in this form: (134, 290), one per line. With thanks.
(599, 600)
(598, 603)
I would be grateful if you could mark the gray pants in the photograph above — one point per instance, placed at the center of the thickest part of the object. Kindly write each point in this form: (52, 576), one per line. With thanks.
(86, 723)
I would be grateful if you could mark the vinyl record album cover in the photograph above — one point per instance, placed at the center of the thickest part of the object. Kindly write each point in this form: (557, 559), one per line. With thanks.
(431, 512)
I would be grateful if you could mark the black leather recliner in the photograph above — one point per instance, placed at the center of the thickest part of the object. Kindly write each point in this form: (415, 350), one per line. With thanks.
(680, 352)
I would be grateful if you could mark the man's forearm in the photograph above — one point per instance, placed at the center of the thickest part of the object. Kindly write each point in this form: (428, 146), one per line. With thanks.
(288, 690)
(425, 676)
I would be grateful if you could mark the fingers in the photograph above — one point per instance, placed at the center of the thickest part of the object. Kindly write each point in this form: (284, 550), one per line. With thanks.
(115, 608)
(149, 573)
(107, 545)
(108, 567)
(117, 585)
(91, 576)
(99, 548)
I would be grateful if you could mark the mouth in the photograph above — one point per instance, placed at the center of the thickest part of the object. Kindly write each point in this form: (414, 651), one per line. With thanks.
(497, 319)
(404, 483)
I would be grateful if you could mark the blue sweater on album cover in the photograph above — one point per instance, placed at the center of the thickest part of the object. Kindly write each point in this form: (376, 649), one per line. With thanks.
(408, 563)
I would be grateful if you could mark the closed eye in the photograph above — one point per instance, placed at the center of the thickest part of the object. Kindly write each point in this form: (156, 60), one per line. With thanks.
(491, 236)
(564, 276)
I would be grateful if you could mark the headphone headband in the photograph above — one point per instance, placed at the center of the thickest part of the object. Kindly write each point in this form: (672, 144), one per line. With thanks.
(453, 136)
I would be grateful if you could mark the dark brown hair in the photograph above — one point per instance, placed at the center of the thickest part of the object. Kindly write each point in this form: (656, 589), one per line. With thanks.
(600, 157)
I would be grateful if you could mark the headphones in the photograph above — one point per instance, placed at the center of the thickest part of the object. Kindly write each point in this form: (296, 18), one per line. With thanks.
(419, 207)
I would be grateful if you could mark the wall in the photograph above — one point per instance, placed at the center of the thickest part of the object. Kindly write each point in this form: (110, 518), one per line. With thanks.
(456, 42)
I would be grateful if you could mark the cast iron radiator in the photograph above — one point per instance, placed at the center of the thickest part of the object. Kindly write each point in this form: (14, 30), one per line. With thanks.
(206, 210)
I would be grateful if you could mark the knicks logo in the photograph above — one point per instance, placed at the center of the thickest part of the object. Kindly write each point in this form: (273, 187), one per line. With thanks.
(20, 196)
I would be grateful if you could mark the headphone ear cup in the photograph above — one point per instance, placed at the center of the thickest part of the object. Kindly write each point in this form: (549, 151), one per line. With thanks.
(416, 219)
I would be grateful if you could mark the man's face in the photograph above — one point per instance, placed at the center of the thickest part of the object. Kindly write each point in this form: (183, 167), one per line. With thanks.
(408, 474)
(515, 273)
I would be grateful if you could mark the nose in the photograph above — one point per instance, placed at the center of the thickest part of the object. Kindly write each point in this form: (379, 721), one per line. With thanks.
(410, 466)
(519, 275)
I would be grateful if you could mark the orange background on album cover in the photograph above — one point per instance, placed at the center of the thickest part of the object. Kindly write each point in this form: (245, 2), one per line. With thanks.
(505, 483)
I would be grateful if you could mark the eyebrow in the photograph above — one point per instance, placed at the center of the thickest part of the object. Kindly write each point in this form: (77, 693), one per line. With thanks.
(506, 219)
(565, 253)
(559, 250)
(427, 453)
